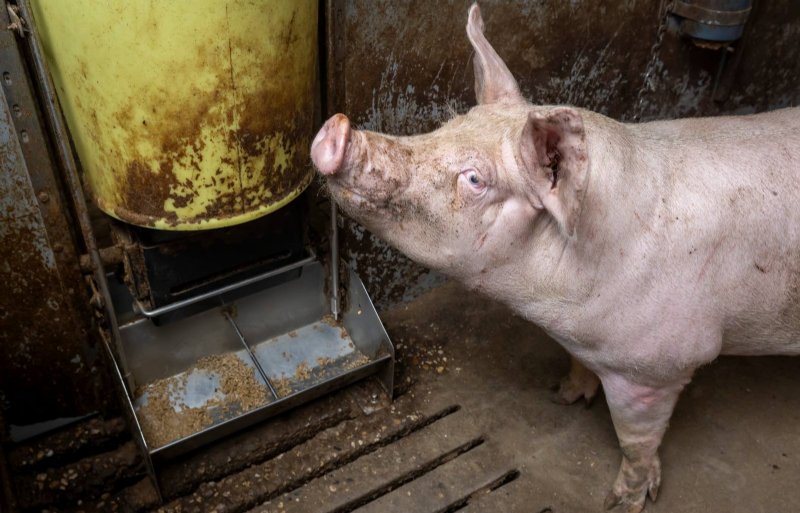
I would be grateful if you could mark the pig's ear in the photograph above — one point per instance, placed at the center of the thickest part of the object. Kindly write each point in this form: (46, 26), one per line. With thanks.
(553, 151)
(493, 82)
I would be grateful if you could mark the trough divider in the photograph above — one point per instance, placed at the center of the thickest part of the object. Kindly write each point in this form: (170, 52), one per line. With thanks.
(252, 355)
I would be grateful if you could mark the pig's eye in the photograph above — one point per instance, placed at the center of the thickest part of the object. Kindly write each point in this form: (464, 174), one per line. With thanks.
(474, 179)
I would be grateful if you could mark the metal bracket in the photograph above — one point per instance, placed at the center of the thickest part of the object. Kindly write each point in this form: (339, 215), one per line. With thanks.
(17, 24)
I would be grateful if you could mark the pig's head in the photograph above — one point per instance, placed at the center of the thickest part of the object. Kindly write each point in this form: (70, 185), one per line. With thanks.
(461, 199)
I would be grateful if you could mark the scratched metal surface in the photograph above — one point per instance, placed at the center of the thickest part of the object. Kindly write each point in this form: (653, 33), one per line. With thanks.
(404, 67)
(49, 365)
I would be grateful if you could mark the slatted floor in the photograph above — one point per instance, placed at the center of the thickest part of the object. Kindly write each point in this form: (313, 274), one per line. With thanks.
(442, 464)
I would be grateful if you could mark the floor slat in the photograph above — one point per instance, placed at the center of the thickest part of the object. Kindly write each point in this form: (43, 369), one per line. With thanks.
(326, 451)
(450, 484)
(505, 500)
(378, 473)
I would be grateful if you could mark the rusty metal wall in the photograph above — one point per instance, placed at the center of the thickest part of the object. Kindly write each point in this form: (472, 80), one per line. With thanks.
(49, 366)
(404, 67)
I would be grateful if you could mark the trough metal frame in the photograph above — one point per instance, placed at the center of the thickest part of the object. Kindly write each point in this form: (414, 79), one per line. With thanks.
(359, 317)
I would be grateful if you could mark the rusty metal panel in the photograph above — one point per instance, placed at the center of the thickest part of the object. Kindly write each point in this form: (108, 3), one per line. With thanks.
(404, 67)
(48, 363)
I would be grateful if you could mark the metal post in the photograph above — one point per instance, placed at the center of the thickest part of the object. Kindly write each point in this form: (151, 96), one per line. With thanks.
(334, 263)
(64, 153)
(333, 67)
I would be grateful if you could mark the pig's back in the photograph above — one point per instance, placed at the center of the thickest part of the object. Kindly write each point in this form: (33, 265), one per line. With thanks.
(734, 222)
(783, 121)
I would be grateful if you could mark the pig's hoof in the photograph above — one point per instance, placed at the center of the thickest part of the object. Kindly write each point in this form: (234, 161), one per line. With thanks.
(623, 504)
(630, 491)
(575, 387)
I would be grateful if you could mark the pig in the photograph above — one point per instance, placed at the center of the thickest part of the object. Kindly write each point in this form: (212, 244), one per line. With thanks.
(646, 250)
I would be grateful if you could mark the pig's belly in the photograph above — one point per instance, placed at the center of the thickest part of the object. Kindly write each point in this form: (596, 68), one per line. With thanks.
(776, 332)
(761, 310)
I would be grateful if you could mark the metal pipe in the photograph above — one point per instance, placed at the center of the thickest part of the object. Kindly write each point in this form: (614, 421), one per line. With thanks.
(333, 74)
(334, 263)
(60, 138)
(177, 305)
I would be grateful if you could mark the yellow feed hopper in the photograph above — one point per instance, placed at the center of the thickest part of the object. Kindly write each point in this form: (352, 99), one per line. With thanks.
(186, 114)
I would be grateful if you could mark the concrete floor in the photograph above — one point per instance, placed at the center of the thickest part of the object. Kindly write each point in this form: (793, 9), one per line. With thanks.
(472, 429)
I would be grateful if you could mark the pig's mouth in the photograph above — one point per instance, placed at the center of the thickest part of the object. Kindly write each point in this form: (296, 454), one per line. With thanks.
(371, 206)
(355, 200)
(344, 194)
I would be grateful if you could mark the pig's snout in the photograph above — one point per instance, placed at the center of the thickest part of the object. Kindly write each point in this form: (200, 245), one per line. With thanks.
(330, 145)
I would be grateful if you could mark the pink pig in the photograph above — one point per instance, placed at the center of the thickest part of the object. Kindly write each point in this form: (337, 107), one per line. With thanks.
(646, 250)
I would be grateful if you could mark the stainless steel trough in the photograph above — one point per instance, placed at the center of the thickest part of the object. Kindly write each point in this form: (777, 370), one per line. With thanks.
(208, 375)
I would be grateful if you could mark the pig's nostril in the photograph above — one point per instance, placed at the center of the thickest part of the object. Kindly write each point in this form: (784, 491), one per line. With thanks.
(328, 149)
(326, 154)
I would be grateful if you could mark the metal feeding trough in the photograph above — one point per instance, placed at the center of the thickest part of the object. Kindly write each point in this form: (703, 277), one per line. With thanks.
(208, 375)
(209, 333)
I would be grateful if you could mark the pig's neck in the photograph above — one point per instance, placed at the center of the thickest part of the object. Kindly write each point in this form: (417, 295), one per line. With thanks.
(555, 279)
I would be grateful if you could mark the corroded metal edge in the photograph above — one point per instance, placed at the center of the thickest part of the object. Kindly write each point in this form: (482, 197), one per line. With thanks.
(163, 223)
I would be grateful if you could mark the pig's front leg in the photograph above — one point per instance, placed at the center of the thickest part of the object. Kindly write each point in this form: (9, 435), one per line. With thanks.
(640, 414)
(579, 383)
